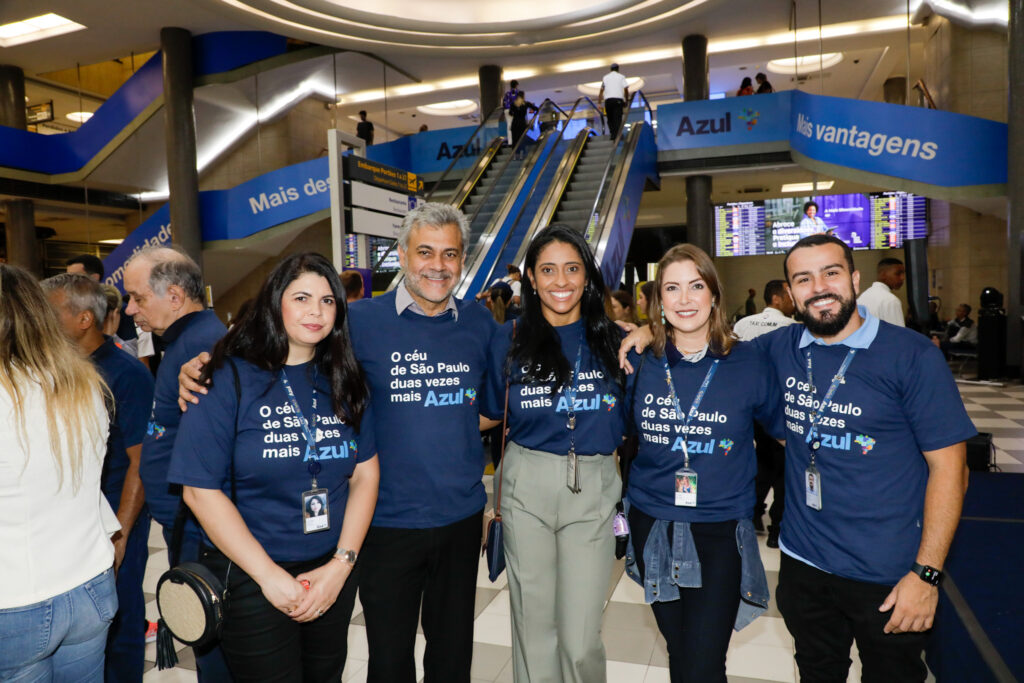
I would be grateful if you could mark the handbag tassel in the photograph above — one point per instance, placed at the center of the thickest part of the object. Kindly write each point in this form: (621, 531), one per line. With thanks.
(166, 657)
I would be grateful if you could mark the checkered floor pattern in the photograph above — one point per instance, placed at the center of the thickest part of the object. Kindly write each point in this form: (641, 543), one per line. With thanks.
(636, 652)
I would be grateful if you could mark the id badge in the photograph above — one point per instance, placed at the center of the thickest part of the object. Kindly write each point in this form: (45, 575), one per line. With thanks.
(812, 487)
(572, 472)
(686, 488)
(315, 515)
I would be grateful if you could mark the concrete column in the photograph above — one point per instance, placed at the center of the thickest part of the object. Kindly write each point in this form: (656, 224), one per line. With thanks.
(490, 88)
(699, 223)
(22, 246)
(180, 132)
(1015, 190)
(894, 90)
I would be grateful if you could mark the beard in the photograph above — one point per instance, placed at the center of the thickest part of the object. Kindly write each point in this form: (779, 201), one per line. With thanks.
(829, 324)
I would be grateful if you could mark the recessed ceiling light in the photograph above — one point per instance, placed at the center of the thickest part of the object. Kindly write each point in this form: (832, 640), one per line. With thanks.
(117, 241)
(36, 28)
(592, 89)
(80, 116)
(453, 108)
(808, 187)
(805, 64)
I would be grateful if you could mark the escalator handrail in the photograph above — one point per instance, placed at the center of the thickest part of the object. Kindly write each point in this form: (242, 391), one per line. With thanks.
(647, 106)
(437, 184)
(611, 158)
(583, 99)
(462, 150)
(600, 241)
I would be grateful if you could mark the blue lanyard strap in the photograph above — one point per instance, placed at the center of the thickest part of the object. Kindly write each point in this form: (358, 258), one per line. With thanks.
(314, 465)
(570, 394)
(840, 377)
(685, 418)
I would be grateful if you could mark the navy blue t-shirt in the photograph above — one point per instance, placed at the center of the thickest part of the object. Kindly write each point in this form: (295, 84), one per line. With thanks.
(188, 336)
(270, 459)
(537, 411)
(898, 399)
(132, 386)
(720, 439)
(425, 375)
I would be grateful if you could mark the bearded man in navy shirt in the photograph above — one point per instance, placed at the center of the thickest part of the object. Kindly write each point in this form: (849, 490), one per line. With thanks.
(875, 475)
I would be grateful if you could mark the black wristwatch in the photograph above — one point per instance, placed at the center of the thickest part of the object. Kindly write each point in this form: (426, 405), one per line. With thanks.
(929, 575)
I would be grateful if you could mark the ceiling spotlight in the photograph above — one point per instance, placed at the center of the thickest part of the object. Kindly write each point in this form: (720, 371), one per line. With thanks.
(805, 64)
(594, 87)
(808, 187)
(112, 241)
(453, 108)
(80, 116)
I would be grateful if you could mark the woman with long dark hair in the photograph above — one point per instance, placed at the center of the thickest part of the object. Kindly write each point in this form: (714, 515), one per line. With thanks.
(697, 393)
(559, 478)
(57, 593)
(286, 422)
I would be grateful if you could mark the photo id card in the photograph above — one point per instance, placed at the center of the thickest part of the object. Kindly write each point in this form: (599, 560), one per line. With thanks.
(686, 488)
(812, 485)
(315, 515)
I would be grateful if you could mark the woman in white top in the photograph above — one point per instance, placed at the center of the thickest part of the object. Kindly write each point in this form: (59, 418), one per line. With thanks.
(57, 594)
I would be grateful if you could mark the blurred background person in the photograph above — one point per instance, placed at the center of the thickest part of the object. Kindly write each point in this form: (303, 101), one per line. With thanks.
(623, 307)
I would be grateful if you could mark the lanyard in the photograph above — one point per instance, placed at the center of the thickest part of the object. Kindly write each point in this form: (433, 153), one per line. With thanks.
(840, 377)
(693, 408)
(314, 464)
(570, 394)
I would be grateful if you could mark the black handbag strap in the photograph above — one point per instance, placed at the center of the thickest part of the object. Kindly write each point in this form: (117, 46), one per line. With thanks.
(183, 514)
(626, 462)
(504, 431)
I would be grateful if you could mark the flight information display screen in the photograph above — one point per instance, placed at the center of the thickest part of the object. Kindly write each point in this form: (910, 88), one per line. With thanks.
(877, 220)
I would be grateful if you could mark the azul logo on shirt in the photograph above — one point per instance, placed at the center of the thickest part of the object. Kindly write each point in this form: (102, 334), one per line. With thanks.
(703, 446)
(448, 398)
(579, 405)
(155, 430)
(346, 449)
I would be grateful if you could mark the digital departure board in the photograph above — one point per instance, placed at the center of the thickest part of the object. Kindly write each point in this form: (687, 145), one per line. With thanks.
(739, 228)
(877, 220)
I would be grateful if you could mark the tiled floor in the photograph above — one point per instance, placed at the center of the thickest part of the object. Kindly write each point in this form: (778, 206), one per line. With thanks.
(636, 652)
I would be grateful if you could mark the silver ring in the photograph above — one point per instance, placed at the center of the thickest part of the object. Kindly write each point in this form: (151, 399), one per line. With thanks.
(319, 612)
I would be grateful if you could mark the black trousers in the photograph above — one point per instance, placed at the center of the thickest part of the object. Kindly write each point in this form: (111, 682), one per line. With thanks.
(697, 627)
(261, 643)
(771, 462)
(404, 568)
(613, 110)
(825, 613)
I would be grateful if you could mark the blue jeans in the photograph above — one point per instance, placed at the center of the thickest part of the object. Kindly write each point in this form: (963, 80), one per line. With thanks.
(60, 639)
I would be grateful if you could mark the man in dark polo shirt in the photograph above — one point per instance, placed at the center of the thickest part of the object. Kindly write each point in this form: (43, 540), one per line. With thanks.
(81, 306)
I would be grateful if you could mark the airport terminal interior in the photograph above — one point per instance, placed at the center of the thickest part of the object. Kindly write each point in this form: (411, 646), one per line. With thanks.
(893, 118)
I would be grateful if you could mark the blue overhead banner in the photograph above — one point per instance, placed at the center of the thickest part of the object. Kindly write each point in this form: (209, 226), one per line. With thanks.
(431, 151)
(271, 199)
(922, 145)
(936, 153)
(731, 121)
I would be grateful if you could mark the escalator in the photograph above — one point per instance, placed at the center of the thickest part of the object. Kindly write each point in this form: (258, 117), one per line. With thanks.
(595, 187)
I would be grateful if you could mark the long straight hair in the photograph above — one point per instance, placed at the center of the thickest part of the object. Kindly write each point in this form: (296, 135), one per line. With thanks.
(720, 336)
(35, 350)
(259, 337)
(536, 346)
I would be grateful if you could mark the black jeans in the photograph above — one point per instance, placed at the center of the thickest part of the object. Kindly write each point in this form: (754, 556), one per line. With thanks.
(613, 110)
(402, 568)
(261, 643)
(825, 613)
(771, 467)
(697, 627)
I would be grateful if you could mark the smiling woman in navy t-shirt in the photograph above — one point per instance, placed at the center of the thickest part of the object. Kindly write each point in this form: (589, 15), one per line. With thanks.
(693, 399)
(279, 465)
(559, 482)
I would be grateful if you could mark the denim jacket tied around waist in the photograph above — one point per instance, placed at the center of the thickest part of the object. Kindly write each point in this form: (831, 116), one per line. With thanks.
(673, 565)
